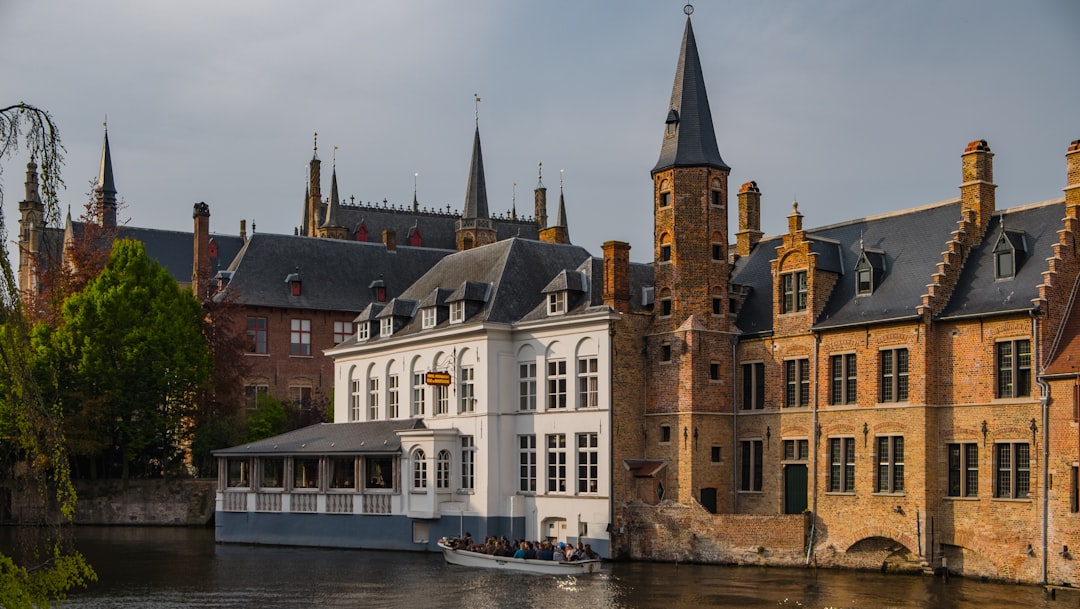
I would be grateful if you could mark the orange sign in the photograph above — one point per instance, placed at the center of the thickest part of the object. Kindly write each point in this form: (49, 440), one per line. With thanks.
(437, 378)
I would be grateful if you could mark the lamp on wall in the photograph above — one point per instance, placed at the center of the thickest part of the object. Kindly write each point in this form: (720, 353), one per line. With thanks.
(984, 430)
(1034, 428)
(865, 432)
(768, 435)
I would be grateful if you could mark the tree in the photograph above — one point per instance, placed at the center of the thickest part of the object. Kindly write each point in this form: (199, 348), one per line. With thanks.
(45, 565)
(133, 358)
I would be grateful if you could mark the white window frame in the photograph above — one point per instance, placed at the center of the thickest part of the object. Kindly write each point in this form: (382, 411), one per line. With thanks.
(457, 312)
(556, 303)
(588, 381)
(527, 463)
(467, 389)
(588, 463)
(392, 396)
(418, 394)
(386, 327)
(468, 464)
(527, 386)
(373, 398)
(429, 318)
(557, 462)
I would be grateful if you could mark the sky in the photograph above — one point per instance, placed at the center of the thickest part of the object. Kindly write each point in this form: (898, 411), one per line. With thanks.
(852, 107)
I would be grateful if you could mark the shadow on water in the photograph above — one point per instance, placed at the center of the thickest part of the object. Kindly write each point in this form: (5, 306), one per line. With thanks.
(166, 568)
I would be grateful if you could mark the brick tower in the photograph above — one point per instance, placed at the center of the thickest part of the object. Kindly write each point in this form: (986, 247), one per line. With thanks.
(689, 404)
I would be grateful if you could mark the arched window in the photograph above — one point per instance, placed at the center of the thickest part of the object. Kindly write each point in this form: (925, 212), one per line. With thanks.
(442, 469)
(419, 481)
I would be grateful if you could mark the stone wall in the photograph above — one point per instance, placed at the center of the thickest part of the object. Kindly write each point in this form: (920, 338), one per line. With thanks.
(145, 502)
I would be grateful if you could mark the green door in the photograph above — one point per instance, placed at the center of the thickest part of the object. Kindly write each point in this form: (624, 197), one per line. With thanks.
(795, 489)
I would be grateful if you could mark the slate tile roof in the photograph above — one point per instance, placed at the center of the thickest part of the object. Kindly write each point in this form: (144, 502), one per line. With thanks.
(328, 439)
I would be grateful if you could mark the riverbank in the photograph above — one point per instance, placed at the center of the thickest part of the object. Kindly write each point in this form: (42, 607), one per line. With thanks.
(178, 502)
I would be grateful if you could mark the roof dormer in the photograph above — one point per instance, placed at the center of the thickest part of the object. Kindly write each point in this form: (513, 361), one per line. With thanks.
(366, 321)
(467, 300)
(433, 309)
(1008, 253)
(293, 279)
(868, 271)
(562, 288)
(394, 315)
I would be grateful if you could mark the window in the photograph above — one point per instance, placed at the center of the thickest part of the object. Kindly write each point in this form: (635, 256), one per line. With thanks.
(252, 393)
(753, 386)
(300, 337)
(442, 399)
(588, 382)
(256, 333)
(527, 464)
(556, 381)
(392, 396)
(793, 292)
(665, 197)
(429, 318)
(418, 394)
(842, 388)
(341, 472)
(665, 307)
(467, 390)
(556, 303)
(963, 470)
(442, 469)
(386, 327)
(342, 331)
(717, 251)
(841, 465)
(716, 454)
(716, 199)
(665, 353)
(300, 395)
(457, 312)
(588, 462)
(419, 470)
(527, 386)
(1012, 464)
(373, 399)
(379, 472)
(468, 463)
(864, 277)
(894, 375)
(356, 396)
(665, 434)
(1074, 489)
(796, 450)
(305, 473)
(796, 383)
(665, 252)
(556, 463)
(718, 306)
(890, 470)
(750, 465)
(272, 470)
(714, 371)
(1014, 369)
(363, 331)
(238, 472)
(1004, 258)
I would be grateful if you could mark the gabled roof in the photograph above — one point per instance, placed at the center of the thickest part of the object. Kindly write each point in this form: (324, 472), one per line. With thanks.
(329, 438)
(336, 274)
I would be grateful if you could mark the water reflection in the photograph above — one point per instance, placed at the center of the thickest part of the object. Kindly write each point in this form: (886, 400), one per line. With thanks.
(172, 568)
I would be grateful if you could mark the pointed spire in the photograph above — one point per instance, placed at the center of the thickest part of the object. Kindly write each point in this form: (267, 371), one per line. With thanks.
(476, 205)
(560, 218)
(106, 188)
(689, 138)
(335, 202)
(415, 201)
(540, 198)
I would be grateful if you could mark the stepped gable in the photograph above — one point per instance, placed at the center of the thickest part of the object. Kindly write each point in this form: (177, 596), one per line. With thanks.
(335, 275)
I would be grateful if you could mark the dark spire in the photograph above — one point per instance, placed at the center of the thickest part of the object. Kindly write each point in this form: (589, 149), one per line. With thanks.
(476, 205)
(331, 219)
(689, 138)
(560, 218)
(106, 188)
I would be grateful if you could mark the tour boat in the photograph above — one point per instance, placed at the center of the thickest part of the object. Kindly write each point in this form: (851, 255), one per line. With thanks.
(467, 558)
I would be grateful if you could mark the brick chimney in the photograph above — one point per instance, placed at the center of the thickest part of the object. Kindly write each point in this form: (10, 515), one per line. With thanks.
(200, 272)
(243, 231)
(749, 219)
(389, 239)
(616, 292)
(1072, 174)
(977, 189)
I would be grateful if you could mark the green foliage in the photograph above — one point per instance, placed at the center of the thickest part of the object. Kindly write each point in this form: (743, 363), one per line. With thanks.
(208, 436)
(21, 588)
(269, 418)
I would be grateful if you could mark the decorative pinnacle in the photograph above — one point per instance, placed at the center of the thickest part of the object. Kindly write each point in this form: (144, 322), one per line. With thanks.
(477, 108)
(540, 170)
(335, 157)
(561, 172)
(688, 9)
(316, 146)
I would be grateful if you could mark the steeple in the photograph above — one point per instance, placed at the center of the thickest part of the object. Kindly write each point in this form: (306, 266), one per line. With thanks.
(330, 228)
(689, 138)
(475, 227)
(558, 232)
(105, 191)
(313, 202)
(540, 198)
(31, 227)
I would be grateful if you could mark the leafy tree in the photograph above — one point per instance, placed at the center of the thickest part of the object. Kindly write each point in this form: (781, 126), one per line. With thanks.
(133, 357)
(44, 565)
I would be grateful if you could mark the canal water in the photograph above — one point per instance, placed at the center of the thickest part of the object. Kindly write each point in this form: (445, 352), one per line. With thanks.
(166, 568)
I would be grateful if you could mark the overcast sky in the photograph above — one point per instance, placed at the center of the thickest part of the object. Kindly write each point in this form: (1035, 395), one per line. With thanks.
(855, 107)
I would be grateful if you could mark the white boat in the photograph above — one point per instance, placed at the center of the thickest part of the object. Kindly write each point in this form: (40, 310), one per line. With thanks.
(466, 558)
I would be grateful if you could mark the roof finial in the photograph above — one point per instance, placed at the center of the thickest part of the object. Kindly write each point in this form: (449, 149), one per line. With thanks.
(561, 172)
(334, 164)
(106, 123)
(540, 170)
(316, 146)
(688, 9)
(415, 177)
(477, 96)
(513, 203)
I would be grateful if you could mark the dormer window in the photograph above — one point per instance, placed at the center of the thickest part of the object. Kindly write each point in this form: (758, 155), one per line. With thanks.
(293, 279)
(556, 303)
(1004, 258)
(363, 331)
(378, 290)
(429, 318)
(386, 327)
(671, 123)
(457, 312)
(864, 277)
(793, 291)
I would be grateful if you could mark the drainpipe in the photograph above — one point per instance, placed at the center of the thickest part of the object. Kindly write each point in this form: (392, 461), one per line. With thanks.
(1044, 401)
(734, 423)
(814, 442)
(611, 438)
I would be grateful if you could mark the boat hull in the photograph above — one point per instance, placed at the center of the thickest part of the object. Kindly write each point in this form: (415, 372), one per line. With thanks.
(547, 567)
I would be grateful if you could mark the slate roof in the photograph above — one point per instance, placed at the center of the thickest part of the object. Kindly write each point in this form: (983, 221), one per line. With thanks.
(437, 229)
(328, 439)
(334, 274)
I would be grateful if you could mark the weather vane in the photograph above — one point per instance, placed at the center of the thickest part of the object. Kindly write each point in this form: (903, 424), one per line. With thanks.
(688, 9)
(316, 146)
(477, 96)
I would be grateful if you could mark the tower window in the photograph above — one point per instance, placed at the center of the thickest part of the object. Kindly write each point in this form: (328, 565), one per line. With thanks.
(715, 200)
(717, 251)
(665, 199)
(665, 253)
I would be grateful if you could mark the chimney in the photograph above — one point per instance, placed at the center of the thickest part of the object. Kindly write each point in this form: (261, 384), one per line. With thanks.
(1072, 174)
(977, 189)
(200, 272)
(243, 231)
(389, 239)
(616, 292)
(749, 219)
(794, 219)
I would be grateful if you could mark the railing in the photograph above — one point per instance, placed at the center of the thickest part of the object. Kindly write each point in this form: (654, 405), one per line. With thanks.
(339, 504)
(303, 502)
(307, 502)
(234, 501)
(267, 502)
(376, 504)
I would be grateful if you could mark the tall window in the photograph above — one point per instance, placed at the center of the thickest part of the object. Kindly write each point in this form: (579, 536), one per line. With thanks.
(457, 312)
(419, 470)
(1004, 259)
(442, 469)
(342, 330)
(468, 463)
(557, 303)
(527, 386)
(1012, 465)
(894, 375)
(796, 382)
(527, 464)
(864, 277)
(256, 334)
(842, 390)
(750, 464)
(363, 331)
(556, 382)
(386, 327)
(356, 399)
(429, 318)
(556, 463)
(373, 399)
(753, 386)
(841, 465)
(963, 470)
(442, 399)
(299, 337)
(793, 291)
(588, 462)
(890, 470)
(418, 385)
(467, 389)
(252, 393)
(1014, 369)
(588, 383)
(392, 396)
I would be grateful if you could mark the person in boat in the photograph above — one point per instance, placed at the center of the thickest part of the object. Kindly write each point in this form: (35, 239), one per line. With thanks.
(545, 553)
(530, 550)
(589, 554)
(520, 552)
(559, 552)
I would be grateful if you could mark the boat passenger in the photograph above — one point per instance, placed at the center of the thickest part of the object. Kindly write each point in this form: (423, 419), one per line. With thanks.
(589, 554)
(530, 550)
(545, 552)
(559, 553)
(520, 552)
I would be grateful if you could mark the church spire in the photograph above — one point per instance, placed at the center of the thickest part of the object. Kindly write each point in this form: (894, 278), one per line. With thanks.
(689, 138)
(330, 227)
(105, 190)
(557, 232)
(476, 204)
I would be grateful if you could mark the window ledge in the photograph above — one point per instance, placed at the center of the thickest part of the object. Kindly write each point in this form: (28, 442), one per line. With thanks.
(840, 493)
(1013, 499)
(250, 354)
(888, 494)
(960, 498)
(743, 492)
(302, 356)
(418, 491)
(466, 491)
